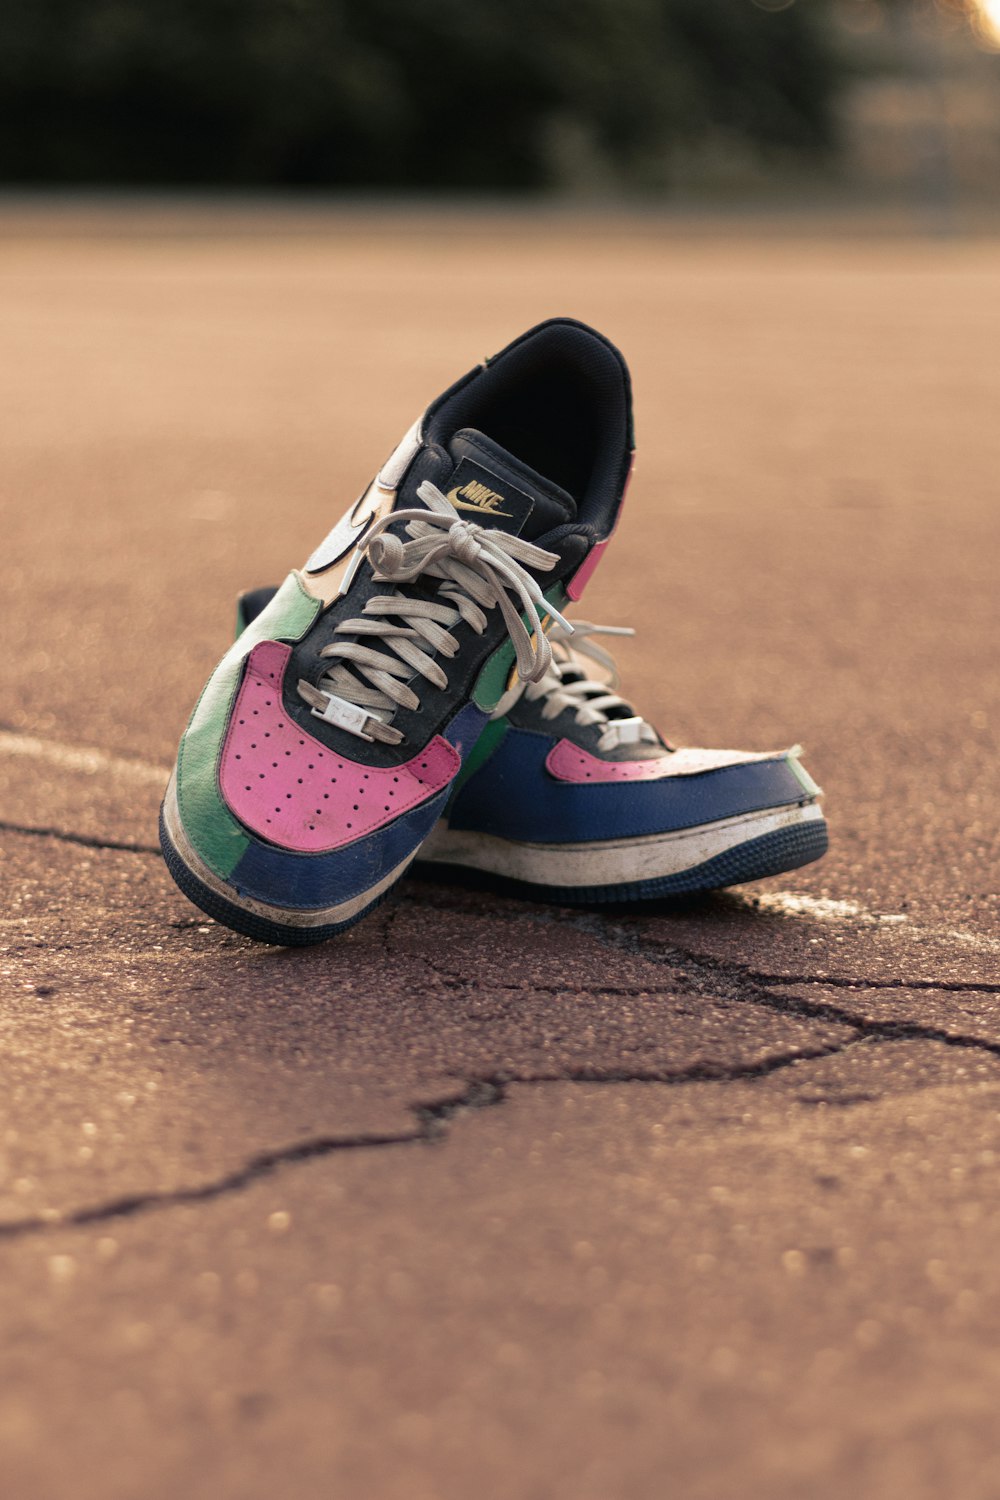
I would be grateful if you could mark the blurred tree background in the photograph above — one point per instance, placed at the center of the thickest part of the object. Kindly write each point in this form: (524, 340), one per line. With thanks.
(449, 94)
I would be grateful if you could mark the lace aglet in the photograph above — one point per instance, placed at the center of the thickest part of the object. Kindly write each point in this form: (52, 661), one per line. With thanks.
(554, 614)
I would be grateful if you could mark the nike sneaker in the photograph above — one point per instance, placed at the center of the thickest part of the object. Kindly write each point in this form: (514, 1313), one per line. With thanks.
(327, 743)
(570, 796)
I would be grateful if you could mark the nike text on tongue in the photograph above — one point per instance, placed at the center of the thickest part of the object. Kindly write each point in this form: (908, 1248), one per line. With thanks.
(524, 500)
(487, 498)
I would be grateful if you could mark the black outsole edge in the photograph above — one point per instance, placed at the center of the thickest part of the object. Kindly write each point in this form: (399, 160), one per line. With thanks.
(771, 854)
(278, 934)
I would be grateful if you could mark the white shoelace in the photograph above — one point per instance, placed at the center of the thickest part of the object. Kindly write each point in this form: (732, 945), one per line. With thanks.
(480, 567)
(565, 685)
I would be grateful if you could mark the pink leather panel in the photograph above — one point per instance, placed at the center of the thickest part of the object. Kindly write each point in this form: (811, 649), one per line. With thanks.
(585, 571)
(287, 787)
(567, 762)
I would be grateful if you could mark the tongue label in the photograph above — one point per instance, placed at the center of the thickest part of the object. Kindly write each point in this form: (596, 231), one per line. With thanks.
(488, 499)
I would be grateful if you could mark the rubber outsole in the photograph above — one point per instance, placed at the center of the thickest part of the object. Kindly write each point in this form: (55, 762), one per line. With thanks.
(249, 923)
(771, 854)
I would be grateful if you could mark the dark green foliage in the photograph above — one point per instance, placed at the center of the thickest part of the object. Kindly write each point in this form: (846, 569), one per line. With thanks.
(397, 93)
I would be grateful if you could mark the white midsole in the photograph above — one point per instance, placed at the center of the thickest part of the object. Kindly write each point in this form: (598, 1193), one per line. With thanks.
(608, 861)
(287, 916)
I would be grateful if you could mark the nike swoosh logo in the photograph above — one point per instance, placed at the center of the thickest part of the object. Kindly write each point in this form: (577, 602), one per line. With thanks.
(480, 510)
(350, 529)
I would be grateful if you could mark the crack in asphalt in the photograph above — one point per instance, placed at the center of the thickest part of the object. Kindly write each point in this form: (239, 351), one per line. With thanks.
(751, 985)
(696, 976)
(653, 950)
(432, 1122)
(612, 934)
(85, 840)
(691, 976)
(595, 924)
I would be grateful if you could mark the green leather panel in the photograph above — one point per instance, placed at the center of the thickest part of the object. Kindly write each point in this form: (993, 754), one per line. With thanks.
(491, 684)
(212, 829)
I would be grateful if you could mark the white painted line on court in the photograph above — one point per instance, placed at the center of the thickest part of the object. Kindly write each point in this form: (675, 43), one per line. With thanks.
(89, 762)
(824, 909)
(977, 941)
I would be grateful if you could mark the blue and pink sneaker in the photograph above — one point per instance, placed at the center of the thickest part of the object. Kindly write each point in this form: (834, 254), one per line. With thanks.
(327, 743)
(570, 796)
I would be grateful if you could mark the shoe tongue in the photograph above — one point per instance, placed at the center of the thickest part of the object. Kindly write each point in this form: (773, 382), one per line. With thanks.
(493, 488)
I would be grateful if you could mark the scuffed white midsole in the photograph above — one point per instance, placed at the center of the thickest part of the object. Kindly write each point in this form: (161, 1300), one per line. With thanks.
(608, 861)
(289, 916)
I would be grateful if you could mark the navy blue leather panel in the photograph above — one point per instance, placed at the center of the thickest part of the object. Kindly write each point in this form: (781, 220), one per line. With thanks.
(513, 796)
(318, 880)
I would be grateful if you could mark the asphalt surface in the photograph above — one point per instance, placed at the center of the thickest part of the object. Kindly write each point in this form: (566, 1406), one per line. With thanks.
(486, 1197)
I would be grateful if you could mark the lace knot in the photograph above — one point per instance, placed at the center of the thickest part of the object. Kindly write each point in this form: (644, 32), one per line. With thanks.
(465, 542)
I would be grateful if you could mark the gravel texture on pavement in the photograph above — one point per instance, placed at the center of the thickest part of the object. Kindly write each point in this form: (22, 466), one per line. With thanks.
(696, 1200)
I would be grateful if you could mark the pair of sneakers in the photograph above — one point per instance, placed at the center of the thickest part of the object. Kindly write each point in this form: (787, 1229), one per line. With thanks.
(415, 691)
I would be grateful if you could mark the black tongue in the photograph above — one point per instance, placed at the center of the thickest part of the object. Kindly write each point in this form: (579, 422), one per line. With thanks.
(493, 488)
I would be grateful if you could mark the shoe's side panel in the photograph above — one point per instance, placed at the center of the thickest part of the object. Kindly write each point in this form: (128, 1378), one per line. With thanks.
(725, 852)
(495, 801)
(218, 837)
